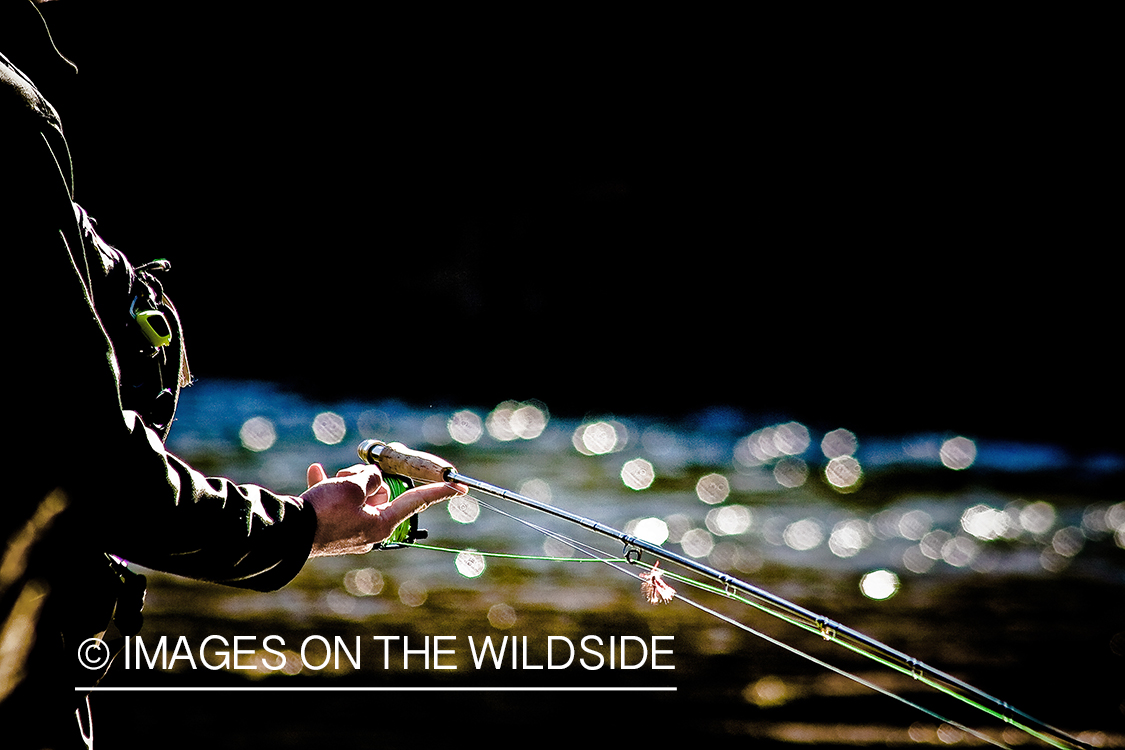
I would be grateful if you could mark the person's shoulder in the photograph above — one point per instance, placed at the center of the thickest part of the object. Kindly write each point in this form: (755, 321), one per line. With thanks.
(21, 104)
(25, 45)
(15, 87)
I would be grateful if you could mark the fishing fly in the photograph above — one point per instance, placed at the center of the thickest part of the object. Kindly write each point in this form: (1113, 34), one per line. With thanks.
(397, 460)
(654, 587)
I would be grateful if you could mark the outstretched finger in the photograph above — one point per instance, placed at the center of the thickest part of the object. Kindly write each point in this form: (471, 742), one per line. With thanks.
(418, 499)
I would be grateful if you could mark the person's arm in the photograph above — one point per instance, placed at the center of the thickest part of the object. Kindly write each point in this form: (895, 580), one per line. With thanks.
(125, 493)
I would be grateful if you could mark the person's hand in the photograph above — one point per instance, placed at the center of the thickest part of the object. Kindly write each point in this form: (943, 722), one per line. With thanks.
(354, 511)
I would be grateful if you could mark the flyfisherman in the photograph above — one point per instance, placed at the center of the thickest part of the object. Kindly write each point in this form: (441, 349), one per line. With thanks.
(95, 361)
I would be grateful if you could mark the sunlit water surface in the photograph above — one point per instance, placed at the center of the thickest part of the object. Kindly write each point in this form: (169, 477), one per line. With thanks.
(1001, 562)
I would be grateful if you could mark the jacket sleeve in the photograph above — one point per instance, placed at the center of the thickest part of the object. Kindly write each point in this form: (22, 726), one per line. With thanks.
(208, 528)
(126, 494)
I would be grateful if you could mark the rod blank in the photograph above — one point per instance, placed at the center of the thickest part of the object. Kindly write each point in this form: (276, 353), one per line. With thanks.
(396, 458)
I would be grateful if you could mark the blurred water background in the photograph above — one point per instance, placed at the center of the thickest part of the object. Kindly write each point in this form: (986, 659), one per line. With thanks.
(1001, 562)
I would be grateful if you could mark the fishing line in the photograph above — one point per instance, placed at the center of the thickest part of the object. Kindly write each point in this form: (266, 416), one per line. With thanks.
(507, 555)
(916, 674)
(397, 459)
(831, 667)
(598, 555)
(594, 553)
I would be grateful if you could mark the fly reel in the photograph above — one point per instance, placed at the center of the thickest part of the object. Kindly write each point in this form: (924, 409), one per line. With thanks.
(406, 532)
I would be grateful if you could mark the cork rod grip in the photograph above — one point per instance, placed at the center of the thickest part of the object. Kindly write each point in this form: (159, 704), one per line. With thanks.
(396, 458)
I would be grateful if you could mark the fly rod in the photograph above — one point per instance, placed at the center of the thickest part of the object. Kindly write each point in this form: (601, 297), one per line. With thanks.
(397, 459)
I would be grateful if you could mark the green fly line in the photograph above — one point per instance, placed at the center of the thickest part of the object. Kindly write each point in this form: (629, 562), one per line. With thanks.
(428, 468)
(513, 556)
(596, 555)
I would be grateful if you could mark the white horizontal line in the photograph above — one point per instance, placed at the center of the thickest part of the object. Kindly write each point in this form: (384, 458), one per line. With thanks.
(327, 689)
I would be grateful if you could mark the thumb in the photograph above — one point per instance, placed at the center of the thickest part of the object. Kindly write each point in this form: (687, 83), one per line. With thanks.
(315, 474)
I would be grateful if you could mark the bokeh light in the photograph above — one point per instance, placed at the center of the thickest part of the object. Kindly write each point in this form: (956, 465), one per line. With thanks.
(513, 420)
(463, 508)
(1037, 517)
(984, 523)
(638, 474)
(1097, 520)
(728, 520)
(879, 584)
(791, 438)
(653, 530)
(791, 472)
(933, 542)
(712, 488)
(803, 535)
(958, 453)
(599, 438)
(745, 454)
(838, 443)
(329, 428)
(413, 593)
(1114, 520)
(767, 692)
(916, 560)
(849, 537)
(502, 616)
(959, 551)
(1068, 541)
(915, 524)
(470, 563)
(465, 427)
(771, 443)
(843, 473)
(364, 582)
(499, 422)
(697, 542)
(528, 421)
(257, 434)
(1114, 517)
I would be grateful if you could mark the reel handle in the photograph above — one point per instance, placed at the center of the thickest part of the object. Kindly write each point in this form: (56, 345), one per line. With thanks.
(396, 458)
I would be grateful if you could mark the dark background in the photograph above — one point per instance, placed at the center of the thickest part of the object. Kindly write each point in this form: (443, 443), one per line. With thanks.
(890, 228)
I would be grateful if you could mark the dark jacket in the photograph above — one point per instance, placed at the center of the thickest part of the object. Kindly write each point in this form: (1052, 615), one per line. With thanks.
(89, 401)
